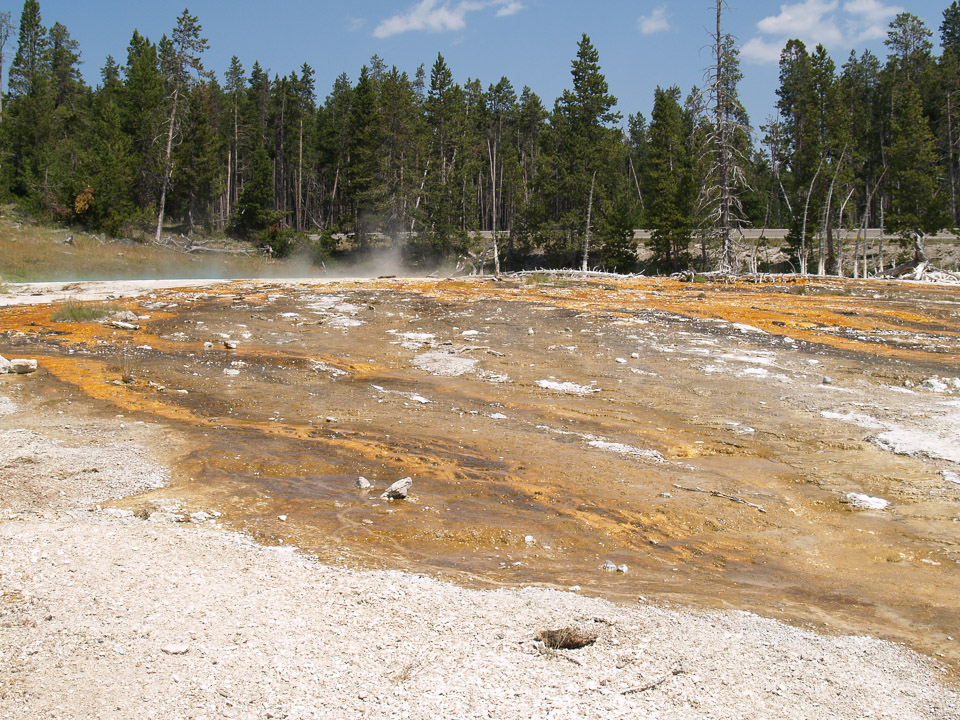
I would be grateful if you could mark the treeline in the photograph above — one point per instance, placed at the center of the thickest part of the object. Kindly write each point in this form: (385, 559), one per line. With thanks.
(424, 163)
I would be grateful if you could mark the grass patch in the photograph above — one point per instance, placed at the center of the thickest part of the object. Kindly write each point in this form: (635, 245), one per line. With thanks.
(568, 638)
(32, 252)
(546, 279)
(72, 311)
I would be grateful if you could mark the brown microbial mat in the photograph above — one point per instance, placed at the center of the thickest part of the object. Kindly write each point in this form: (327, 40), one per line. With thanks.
(790, 449)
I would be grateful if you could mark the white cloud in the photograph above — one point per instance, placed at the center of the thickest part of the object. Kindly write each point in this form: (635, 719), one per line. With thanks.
(354, 23)
(762, 52)
(436, 16)
(509, 7)
(655, 22)
(820, 21)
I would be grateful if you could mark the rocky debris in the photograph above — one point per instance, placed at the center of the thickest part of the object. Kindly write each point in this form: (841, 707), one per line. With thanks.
(4, 365)
(363, 483)
(935, 384)
(398, 491)
(201, 516)
(567, 387)
(951, 476)
(445, 364)
(865, 502)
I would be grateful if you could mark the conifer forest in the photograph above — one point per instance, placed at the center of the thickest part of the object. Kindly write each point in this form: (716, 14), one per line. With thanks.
(437, 170)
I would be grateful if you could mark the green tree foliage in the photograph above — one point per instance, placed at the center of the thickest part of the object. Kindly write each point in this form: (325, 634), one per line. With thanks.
(916, 207)
(668, 182)
(442, 167)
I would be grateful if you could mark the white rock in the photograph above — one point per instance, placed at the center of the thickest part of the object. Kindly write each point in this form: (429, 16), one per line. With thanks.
(233, 372)
(622, 569)
(230, 344)
(363, 483)
(121, 325)
(567, 387)
(865, 502)
(175, 649)
(950, 476)
(22, 366)
(398, 491)
(609, 566)
(199, 517)
(4, 365)
(530, 540)
(935, 384)
(117, 513)
(282, 518)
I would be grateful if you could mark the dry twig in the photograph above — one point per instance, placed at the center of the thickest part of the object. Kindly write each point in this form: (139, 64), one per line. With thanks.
(715, 493)
(675, 670)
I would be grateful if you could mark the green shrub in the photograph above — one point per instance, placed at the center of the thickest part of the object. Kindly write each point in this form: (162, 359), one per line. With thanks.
(71, 311)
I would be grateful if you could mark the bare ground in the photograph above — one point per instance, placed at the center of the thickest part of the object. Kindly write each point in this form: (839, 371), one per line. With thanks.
(105, 614)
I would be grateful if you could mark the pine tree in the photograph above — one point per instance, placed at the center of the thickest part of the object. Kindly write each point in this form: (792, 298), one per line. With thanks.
(583, 117)
(28, 124)
(141, 116)
(667, 181)
(916, 208)
(111, 163)
(180, 56)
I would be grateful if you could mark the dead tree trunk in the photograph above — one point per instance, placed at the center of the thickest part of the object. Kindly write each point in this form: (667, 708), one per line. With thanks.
(586, 239)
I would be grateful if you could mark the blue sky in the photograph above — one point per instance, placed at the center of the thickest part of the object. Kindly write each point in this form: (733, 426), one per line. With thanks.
(642, 43)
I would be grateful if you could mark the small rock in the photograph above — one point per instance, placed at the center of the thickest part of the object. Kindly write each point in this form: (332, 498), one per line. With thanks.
(126, 316)
(398, 491)
(121, 325)
(233, 372)
(635, 356)
(175, 649)
(622, 569)
(199, 517)
(363, 483)
(208, 345)
(609, 566)
(330, 419)
(118, 513)
(530, 331)
(865, 502)
(530, 540)
(282, 518)
(230, 344)
(935, 384)
(4, 365)
(621, 360)
(827, 380)
(23, 366)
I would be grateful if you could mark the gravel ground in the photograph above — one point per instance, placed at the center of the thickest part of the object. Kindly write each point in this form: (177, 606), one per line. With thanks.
(106, 615)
